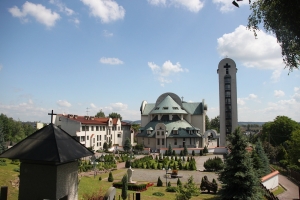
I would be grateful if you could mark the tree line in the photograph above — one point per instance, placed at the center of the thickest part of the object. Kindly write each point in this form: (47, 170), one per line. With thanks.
(13, 131)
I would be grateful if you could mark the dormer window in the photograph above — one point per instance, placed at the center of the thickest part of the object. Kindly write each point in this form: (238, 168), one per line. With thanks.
(165, 108)
(157, 133)
(175, 108)
(157, 108)
(148, 132)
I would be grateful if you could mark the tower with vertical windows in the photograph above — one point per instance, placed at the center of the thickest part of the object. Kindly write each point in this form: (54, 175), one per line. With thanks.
(227, 98)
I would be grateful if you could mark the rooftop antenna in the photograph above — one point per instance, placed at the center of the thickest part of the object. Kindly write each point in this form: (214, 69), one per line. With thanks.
(182, 99)
(87, 111)
(51, 115)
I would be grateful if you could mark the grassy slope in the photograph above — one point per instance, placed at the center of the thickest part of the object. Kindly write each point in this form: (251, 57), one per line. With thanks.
(8, 174)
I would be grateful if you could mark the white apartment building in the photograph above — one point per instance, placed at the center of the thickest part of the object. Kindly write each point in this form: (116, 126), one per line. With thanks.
(93, 131)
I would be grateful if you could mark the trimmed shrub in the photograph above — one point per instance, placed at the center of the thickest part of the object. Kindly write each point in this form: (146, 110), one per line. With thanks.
(169, 184)
(171, 189)
(160, 194)
(215, 164)
(201, 153)
(159, 182)
(205, 150)
(193, 153)
(110, 177)
(179, 182)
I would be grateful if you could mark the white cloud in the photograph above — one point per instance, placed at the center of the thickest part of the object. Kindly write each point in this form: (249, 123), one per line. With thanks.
(93, 105)
(240, 101)
(63, 103)
(191, 5)
(119, 106)
(296, 96)
(111, 61)
(226, 6)
(39, 12)
(276, 75)
(106, 33)
(75, 21)
(278, 93)
(263, 52)
(106, 10)
(157, 2)
(167, 69)
(62, 7)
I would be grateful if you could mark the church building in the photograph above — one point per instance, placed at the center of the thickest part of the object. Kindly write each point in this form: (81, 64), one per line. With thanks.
(171, 121)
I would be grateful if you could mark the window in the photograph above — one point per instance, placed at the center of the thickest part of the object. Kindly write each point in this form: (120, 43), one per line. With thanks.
(100, 144)
(175, 132)
(227, 94)
(157, 141)
(59, 118)
(175, 108)
(119, 128)
(97, 128)
(190, 140)
(100, 137)
(93, 140)
(104, 137)
(175, 141)
(119, 135)
(103, 128)
(157, 108)
(83, 128)
(162, 133)
(82, 138)
(92, 128)
(162, 141)
(165, 108)
(100, 128)
(227, 101)
(97, 137)
(227, 86)
(87, 137)
(157, 133)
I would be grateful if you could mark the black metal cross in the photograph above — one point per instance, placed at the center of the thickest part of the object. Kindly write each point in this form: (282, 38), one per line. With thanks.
(51, 115)
(227, 67)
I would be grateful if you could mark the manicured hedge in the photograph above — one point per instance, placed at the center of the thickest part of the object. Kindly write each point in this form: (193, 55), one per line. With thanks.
(133, 187)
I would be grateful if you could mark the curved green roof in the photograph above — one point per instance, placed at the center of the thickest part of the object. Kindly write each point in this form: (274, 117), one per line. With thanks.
(168, 106)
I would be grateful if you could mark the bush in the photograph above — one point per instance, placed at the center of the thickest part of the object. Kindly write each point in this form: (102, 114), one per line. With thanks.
(201, 152)
(159, 182)
(215, 164)
(179, 182)
(160, 194)
(193, 153)
(205, 150)
(127, 164)
(110, 177)
(169, 184)
(100, 178)
(171, 189)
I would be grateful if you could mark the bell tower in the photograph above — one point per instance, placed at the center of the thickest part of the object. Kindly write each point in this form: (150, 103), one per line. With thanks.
(227, 98)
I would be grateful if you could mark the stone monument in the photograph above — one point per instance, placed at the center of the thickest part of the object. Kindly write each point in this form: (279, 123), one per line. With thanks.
(129, 174)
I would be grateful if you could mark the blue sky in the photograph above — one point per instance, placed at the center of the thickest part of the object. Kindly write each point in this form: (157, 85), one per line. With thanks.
(68, 56)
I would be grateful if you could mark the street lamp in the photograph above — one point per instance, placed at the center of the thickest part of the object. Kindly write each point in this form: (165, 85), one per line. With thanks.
(94, 163)
(166, 169)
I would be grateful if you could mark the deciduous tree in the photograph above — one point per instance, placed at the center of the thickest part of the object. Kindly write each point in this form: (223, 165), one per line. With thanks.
(115, 115)
(127, 145)
(100, 114)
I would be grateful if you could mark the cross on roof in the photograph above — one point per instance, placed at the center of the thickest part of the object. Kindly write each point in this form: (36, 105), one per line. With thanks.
(227, 66)
(51, 115)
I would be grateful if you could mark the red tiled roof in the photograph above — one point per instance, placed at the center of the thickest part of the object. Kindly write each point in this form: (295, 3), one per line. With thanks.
(95, 120)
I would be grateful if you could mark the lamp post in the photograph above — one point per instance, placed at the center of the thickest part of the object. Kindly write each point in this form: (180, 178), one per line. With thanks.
(94, 163)
(166, 169)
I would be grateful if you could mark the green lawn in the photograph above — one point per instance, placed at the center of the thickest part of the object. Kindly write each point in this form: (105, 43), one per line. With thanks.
(278, 191)
(90, 185)
(8, 174)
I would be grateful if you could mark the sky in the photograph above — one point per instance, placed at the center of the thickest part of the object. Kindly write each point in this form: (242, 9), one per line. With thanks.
(83, 56)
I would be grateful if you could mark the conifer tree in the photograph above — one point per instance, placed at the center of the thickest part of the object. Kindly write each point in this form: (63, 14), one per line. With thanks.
(179, 182)
(263, 157)
(238, 177)
(185, 151)
(110, 177)
(159, 182)
(170, 151)
(205, 150)
(124, 187)
(2, 142)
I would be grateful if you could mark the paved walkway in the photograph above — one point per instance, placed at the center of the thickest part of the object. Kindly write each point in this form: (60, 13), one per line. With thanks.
(292, 190)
